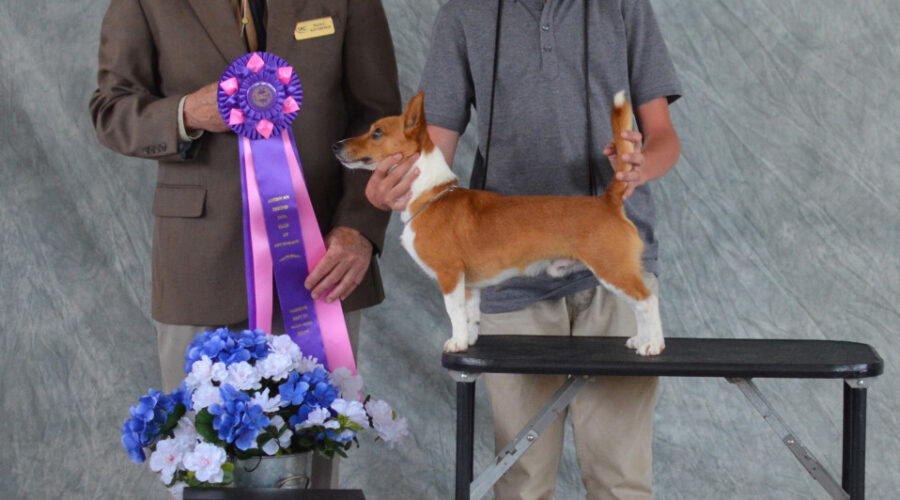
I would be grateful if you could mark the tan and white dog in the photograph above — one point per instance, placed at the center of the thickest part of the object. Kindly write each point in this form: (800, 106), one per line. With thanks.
(470, 239)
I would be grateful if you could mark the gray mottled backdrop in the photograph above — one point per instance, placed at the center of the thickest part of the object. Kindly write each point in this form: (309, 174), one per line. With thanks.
(781, 220)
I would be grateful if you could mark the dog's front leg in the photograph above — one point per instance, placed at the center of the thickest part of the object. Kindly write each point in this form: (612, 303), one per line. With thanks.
(455, 302)
(473, 313)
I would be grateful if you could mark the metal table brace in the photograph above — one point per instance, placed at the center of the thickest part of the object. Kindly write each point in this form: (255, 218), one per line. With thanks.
(801, 453)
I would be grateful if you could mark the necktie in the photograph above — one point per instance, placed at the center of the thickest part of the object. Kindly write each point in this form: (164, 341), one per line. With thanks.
(258, 13)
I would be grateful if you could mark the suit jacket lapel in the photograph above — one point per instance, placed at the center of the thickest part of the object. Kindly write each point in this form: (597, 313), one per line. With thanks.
(217, 18)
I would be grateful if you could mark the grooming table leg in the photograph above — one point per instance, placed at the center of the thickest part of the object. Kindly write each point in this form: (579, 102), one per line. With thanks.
(803, 455)
(854, 464)
(465, 431)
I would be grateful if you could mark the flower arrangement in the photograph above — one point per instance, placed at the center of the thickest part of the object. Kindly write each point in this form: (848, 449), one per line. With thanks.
(249, 394)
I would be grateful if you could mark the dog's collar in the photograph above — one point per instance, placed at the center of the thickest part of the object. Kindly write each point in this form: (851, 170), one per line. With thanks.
(452, 187)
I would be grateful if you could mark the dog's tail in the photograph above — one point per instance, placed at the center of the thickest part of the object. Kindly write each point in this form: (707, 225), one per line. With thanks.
(621, 117)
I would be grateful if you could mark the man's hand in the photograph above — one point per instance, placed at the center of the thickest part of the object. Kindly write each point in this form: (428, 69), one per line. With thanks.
(201, 110)
(388, 188)
(636, 176)
(343, 267)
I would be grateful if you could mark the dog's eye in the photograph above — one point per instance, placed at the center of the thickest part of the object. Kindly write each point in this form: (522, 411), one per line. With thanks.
(377, 133)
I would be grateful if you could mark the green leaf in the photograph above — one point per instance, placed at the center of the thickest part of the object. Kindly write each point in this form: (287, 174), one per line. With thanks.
(172, 421)
(204, 425)
(191, 479)
(244, 455)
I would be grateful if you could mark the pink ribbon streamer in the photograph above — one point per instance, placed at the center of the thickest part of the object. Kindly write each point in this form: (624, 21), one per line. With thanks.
(262, 259)
(331, 316)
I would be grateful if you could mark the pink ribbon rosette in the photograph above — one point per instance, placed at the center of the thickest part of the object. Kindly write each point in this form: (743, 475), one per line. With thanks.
(259, 97)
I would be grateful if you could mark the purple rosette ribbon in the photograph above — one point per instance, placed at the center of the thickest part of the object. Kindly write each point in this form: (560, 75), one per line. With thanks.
(259, 97)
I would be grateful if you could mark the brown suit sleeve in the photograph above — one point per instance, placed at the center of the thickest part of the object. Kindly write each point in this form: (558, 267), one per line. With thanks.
(371, 88)
(129, 114)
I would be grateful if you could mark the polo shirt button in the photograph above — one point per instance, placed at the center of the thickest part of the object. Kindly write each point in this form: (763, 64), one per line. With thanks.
(547, 48)
(545, 27)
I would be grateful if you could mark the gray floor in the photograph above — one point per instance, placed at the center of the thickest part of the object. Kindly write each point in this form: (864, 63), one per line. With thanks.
(780, 221)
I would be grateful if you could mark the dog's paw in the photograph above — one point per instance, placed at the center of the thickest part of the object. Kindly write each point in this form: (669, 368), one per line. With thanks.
(644, 346)
(473, 333)
(455, 345)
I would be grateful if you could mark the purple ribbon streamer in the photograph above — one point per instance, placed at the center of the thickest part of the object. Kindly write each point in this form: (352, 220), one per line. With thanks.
(286, 246)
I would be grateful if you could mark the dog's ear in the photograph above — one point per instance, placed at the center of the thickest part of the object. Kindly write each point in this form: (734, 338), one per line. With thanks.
(414, 115)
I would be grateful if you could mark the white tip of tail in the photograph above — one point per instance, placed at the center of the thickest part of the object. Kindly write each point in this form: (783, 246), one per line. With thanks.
(619, 99)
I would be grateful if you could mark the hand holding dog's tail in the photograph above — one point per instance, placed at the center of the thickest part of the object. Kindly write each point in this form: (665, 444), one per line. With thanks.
(621, 118)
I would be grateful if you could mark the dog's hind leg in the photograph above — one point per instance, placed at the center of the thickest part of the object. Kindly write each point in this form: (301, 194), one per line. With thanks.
(618, 267)
(648, 341)
(473, 313)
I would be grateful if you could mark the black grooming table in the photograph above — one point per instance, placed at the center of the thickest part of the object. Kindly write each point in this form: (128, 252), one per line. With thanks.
(738, 360)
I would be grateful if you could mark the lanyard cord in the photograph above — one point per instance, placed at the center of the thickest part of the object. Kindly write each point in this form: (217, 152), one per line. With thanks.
(592, 174)
(490, 123)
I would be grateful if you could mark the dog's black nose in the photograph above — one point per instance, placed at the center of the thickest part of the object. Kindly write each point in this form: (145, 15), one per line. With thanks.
(336, 147)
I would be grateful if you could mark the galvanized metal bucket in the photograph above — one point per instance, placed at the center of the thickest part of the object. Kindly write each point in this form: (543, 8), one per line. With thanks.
(286, 471)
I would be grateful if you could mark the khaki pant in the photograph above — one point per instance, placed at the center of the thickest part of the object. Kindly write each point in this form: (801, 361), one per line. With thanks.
(173, 341)
(612, 416)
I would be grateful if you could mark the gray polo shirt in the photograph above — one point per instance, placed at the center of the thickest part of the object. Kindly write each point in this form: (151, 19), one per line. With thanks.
(539, 138)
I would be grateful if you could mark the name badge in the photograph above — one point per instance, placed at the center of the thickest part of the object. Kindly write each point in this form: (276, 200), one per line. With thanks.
(314, 28)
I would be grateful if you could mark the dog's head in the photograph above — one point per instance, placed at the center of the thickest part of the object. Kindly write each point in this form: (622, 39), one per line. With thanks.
(405, 134)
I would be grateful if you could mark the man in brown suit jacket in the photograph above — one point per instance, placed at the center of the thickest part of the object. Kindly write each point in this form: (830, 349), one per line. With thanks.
(159, 64)
(156, 99)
